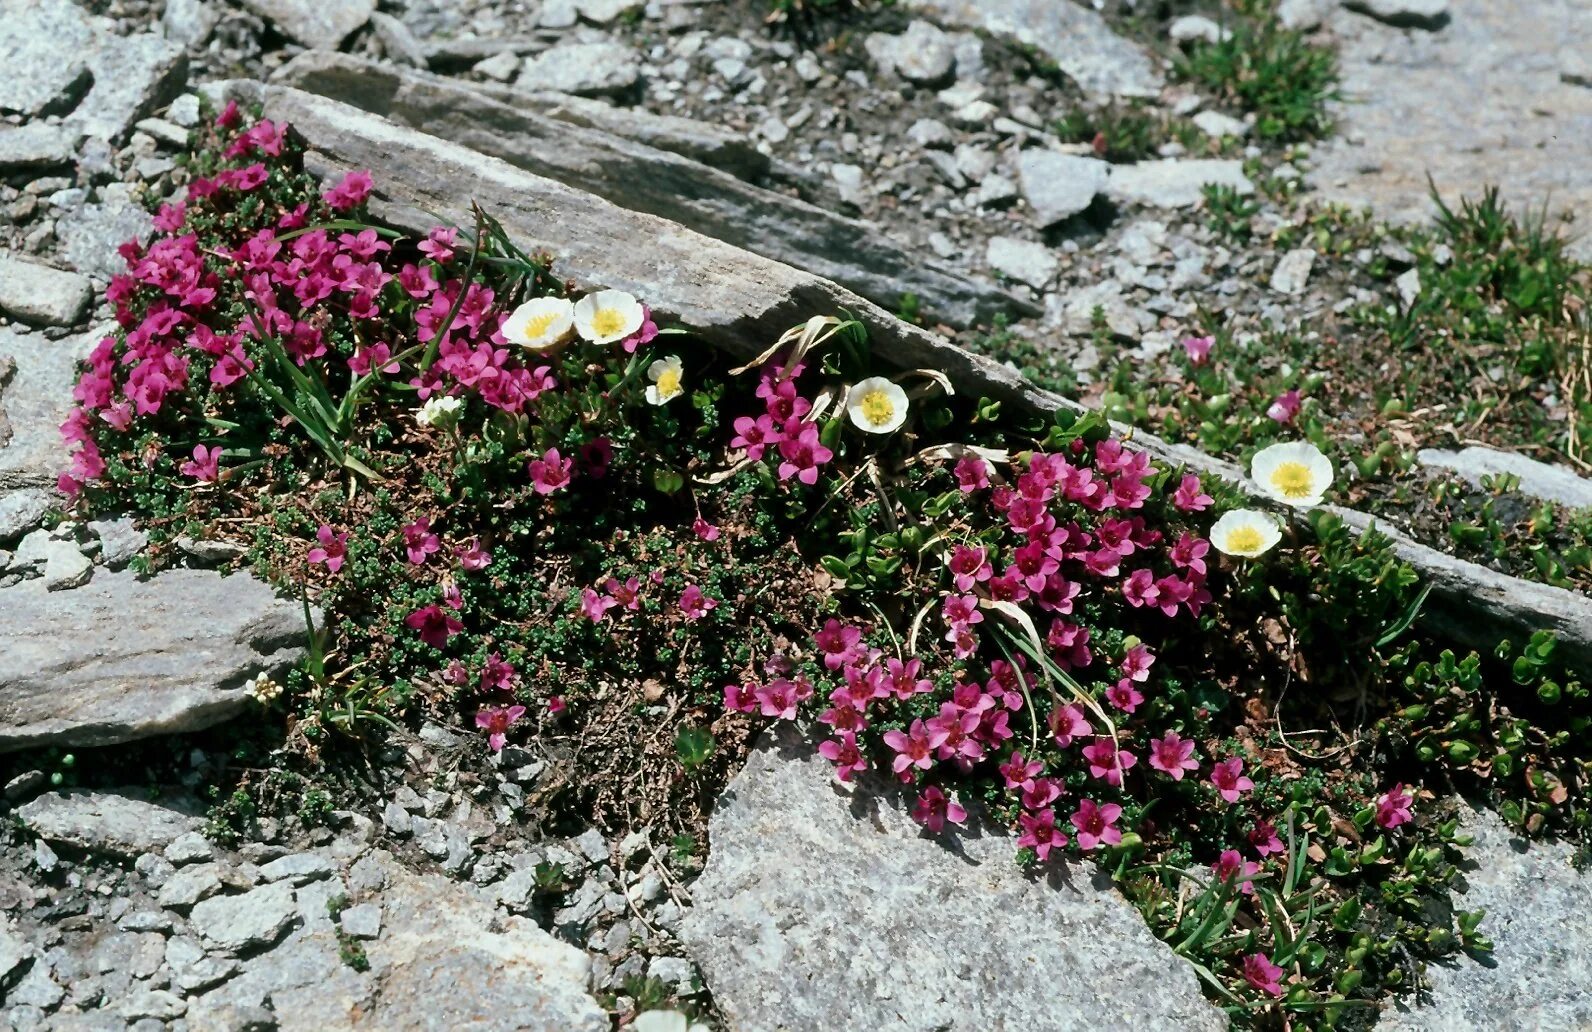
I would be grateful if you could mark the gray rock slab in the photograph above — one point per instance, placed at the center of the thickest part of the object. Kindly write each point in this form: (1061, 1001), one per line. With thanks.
(821, 908)
(923, 54)
(41, 295)
(1058, 186)
(1540, 972)
(119, 823)
(1025, 261)
(599, 69)
(133, 77)
(1077, 38)
(36, 147)
(315, 24)
(1174, 182)
(248, 920)
(1292, 272)
(89, 234)
(122, 658)
(644, 179)
(1538, 479)
(43, 51)
(36, 380)
(22, 510)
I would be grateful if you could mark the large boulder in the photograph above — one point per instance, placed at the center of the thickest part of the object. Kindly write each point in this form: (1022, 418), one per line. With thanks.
(123, 658)
(822, 907)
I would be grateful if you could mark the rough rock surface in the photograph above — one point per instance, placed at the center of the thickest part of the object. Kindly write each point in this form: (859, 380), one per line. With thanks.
(821, 908)
(598, 69)
(42, 52)
(1059, 186)
(1174, 183)
(124, 658)
(119, 823)
(36, 378)
(39, 294)
(1538, 479)
(317, 24)
(1540, 973)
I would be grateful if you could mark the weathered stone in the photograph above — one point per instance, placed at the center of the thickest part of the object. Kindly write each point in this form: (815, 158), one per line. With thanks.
(22, 510)
(315, 24)
(36, 378)
(1196, 27)
(189, 22)
(646, 179)
(251, 919)
(819, 911)
(1218, 125)
(923, 54)
(152, 1003)
(1404, 14)
(118, 823)
(1022, 260)
(1174, 182)
(36, 147)
(91, 233)
(1539, 975)
(1059, 186)
(189, 886)
(133, 77)
(1538, 479)
(1292, 273)
(298, 868)
(600, 69)
(39, 294)
(123, 658)
(190, 849)
(119, 540)
(362, 921)
(397, 42)
(1301, 14)
(42, 51)
(65, 567)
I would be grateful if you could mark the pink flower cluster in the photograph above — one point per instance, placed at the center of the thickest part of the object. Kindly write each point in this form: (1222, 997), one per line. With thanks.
(783, 427)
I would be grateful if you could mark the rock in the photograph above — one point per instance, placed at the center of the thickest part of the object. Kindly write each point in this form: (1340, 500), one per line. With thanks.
(930, 133)
(1217, 125)
(1192, 27)
(42, 52)
(117, 823)
(848, 181)
(91, 233)
(21, 511)
(1575, 67)
(119, 541)
(1076, 38)
(1409, 287)
(606, 12)
(923, 55)
(602, 69)
(192, 848)
(1174, 182)
(298, 868)
(995, 191)
(152, 1003)
(808, 890)
(1539, 974)
(64, 568)
(1123, 320)
(1059, 186)
(315, 24)
(1404, 14)
(1537, 479)
(189, 886)
(36, 148)
(15, 953)
(646, 179)
(397, 42)
(36, 380)
(249, 920)
(133, 77)
(123, 658)
(676, 973)
(1292, 273)
(189, 22)
(362, 921)
(1301, 14)
(501, 67)
(1022, 260)
(592, 846)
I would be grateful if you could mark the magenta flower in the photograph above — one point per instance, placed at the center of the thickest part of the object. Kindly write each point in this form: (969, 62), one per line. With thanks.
(496, 674)
(969, 566)
(434, 625)
(1262, 974)
(1067, 723)
(625, 593)
(555, 705)
(842, 751)
(740, 698)
(332, 550)
(803, 455)
(694, 604)
(439, 244)
(349, 192)
(1107, 761)
(472, 556)
(1394, 808)
(934, 808)
(1020, 773)
(1190, 495)
(1136, 663)
(1231, 865)
(593, 605)
(496, 720)
(1285, 408)
(205, 466)
(1124, 696)
(1040, 833)
(1040, 793)
(780, 697)
(839, 643)
(1096, 824)
(972, 473)
(1263, 836)
(1228, 777)
(551, 472)
(912, 749)
(420, 542)
(1172, 754)
(705, 530)
(1198, 349)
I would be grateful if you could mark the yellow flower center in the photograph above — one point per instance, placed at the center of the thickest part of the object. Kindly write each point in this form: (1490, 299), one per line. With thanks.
(877, 408)
(1293, 479)
(607, 322)
(669, 383)
(539, 326)
(1241, 540)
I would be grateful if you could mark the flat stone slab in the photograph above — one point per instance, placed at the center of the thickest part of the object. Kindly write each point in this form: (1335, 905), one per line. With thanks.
(121, 823)
(1540, 973)
(122, 658)
(316, 24)
(1538, 479)
(39, 294)
(42, 51)
(36, 379)
(1174, 182)
(825, 908)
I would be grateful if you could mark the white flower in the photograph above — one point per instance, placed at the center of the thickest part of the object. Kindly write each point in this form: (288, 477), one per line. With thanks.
(440, 411)
(1245, 533)
(541, 324)
(261, 689)
(665, 1021)
(665, 377)
(876, 405)
(608, 316)
(1294, 474)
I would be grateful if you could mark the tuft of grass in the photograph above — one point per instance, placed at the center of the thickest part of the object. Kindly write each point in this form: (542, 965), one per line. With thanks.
(1275, 72)
(1126, 131)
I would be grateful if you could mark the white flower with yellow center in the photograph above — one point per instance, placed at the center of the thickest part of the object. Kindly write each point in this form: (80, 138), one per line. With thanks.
(665, 376)
(441, 411)
(876, 405)
(1245, 533)
(1294, 474)
(540, 324)
(608, 316)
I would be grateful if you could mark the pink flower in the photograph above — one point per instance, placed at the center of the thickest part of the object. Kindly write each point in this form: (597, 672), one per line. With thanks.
(1231, 865)
(838, 642)
(626, 593)
(596, 456)
(1136, 663)
(972, 473)
(333, 548)
(1172, 754)
(1262, 974)
(1067, 723)
(694, 604)
(439, 243)
(1285, 408)
(495, 720)
(912, 749)
(352, 189)
(1107, 761)
(420, 542)
(551, 472)
(472, 556)
(497, 675)
(1198, 349)
(1040, 833)
(1263, 836)
(705, 530)
(645, 335)
(803, 454)
(230, 116)
(1020, 773)
(933, 809)
(593, 606)
(1228, 777)
(1393, 808)
(1096, 824)
(780, 697)
(205, 466)
(844, 754)
(555, 705)
(969, 566)
(740, 698)
(434, 625)
(1124, 696)
(1190, 495)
